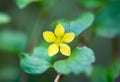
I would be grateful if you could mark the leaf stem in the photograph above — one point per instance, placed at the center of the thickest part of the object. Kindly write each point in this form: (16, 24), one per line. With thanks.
(58, 77)
(83, 39)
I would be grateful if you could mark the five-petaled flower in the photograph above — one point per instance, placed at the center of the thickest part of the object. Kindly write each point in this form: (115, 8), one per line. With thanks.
(59, 39)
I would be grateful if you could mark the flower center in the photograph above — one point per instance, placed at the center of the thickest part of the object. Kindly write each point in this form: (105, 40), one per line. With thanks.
(58, 41)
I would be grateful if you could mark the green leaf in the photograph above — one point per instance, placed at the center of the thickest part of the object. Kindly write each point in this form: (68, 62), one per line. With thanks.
(79, 61)
(4, 18)
(38, 62)
(107, 21)
(91, 3)
(99, 74)
(42, 52)
(106, 74)
(108, 32)
(114, 71)
(23, 3)
(12, 41)
(33, 64)
(78, 25)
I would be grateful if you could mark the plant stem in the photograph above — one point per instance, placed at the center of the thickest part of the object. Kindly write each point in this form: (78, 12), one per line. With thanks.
(44, 15)
(24, 77)
(58, 77)
(116, 48)
(36, 30)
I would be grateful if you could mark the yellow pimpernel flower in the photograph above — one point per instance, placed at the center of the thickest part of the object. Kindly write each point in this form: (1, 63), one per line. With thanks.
(59, 39)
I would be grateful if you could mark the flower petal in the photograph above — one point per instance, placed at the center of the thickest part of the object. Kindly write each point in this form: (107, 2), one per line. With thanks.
(59, 30)
(68, 37)
(49, 36)
(65, 49)
(53, 49)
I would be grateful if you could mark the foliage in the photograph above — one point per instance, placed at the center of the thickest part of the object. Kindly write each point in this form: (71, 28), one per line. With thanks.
(23, 3)
(4, 18)
(38, 62)
(81, 57)
(79, 61)
(81, 23)
(110, 26)
(12, 41)
(95, 28)
(109, 74)
(91, 3)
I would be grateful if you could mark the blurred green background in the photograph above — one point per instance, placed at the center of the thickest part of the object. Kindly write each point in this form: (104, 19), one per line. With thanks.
(23, 21)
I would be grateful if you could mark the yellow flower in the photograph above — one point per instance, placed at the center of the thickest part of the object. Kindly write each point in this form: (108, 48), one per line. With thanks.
(58, 39)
